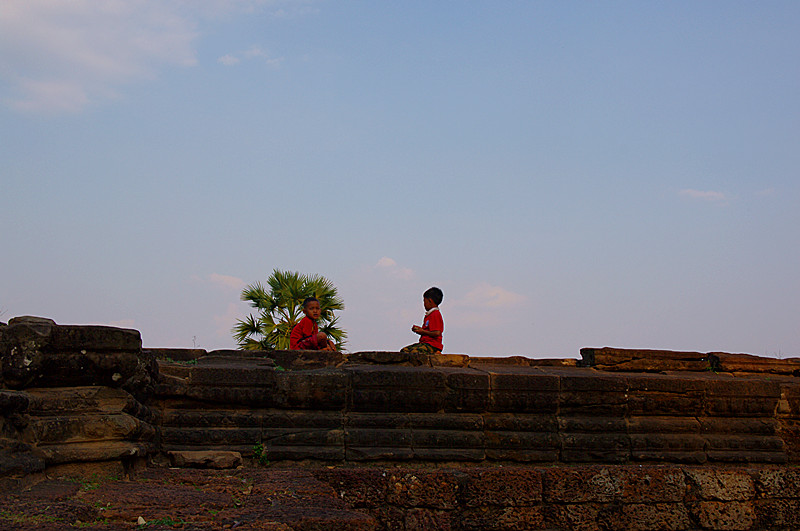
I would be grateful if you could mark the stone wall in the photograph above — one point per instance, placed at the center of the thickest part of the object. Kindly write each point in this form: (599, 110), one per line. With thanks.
(693, 438)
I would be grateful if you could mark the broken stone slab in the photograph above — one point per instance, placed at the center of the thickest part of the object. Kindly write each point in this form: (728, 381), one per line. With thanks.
(36, 352)
(725, 362)
(205, 459)
(643, 360)
(93, 451)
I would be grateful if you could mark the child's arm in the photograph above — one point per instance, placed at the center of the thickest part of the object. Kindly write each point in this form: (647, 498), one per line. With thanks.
(421, 331)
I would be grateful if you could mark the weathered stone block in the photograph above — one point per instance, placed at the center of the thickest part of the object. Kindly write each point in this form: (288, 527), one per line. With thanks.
(210, 436)
(378, 453)
(87, 427)
(522, 446)
(433, 438)
(303, 437)
(427, 421)
(93, 451)
(717, 515)
(779, 483)
(396, 389)
(380, 438)
(653, 517)
(643, 360)
(422, 489)
(501, 518)
(668, 404)
(502, 487)
(300, 453)
(467, 390)
(721, 485)
(781, 514)
(205, 459)
(37, 352)
(444, 453)
(595, 447)
(614, 484)
(322, 389)
(243, 375)
(663, 425)
(521, 422)
(212, 418)
(593, 424)
(743, 425)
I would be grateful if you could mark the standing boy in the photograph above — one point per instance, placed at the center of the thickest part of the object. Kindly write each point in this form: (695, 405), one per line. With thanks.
(305, 334)
(430, 333)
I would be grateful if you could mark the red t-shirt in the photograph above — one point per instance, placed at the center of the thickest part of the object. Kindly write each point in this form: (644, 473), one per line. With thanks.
(304, 334)
(433, 321)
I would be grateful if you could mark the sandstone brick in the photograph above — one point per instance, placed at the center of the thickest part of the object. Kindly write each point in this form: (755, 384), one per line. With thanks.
(653, 517)
(434, 489)
(723, 516)
(205, 459)
(379, 438)
(87, 427)
(221, 418)
(779, 483)
(93, 451)
(663, 425)
(211, 436)
(676, 448)
(501, 487)
(502, 518)
(721, 485)
(378, 453)
(595, 447)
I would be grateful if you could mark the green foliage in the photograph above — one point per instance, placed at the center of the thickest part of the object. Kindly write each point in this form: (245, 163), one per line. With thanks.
(260, 454)
(280, 308)
(163, 521)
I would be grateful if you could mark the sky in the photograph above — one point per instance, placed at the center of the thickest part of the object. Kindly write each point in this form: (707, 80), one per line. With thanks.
(571, 174)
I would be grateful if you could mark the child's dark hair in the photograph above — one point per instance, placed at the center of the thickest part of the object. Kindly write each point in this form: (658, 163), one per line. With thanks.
(434, 294)
(309, 299)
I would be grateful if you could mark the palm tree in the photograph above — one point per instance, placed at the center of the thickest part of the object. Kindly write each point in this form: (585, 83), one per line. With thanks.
(280, 307)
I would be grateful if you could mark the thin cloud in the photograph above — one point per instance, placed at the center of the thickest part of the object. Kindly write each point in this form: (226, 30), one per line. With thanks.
(704, 195)
(390, 266)
(766, 192)
(485, 305)
(255, 52)
(59, 56)
(487, 296)
(226, 281)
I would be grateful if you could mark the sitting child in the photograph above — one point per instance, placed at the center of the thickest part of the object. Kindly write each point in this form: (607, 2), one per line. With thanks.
(432, 329)
(305, 334)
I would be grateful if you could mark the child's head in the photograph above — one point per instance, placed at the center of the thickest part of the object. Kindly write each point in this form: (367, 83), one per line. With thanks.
(311, 308)
(434, 295)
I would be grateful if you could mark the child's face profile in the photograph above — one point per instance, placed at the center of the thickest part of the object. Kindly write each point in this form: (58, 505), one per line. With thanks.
(312, 310)
(428, 303)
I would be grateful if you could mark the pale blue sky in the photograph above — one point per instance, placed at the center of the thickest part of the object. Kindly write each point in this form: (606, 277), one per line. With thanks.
(570, 173)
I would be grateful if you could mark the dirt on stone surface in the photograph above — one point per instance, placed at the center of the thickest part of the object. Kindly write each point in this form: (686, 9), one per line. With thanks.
(161, 499)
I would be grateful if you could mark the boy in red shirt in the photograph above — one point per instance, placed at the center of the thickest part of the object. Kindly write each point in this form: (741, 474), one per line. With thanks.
(432, 329)
(305, 334)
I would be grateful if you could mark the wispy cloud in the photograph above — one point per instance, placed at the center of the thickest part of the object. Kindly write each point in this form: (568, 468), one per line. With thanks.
(221, 281)
(766, 192)
(255, 52)
(483, 306)
(226, 281)
(704, 195)
(392, 269)
(58, 56)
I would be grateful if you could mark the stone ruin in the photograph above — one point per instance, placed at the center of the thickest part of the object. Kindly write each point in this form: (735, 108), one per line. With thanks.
(620, 439)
